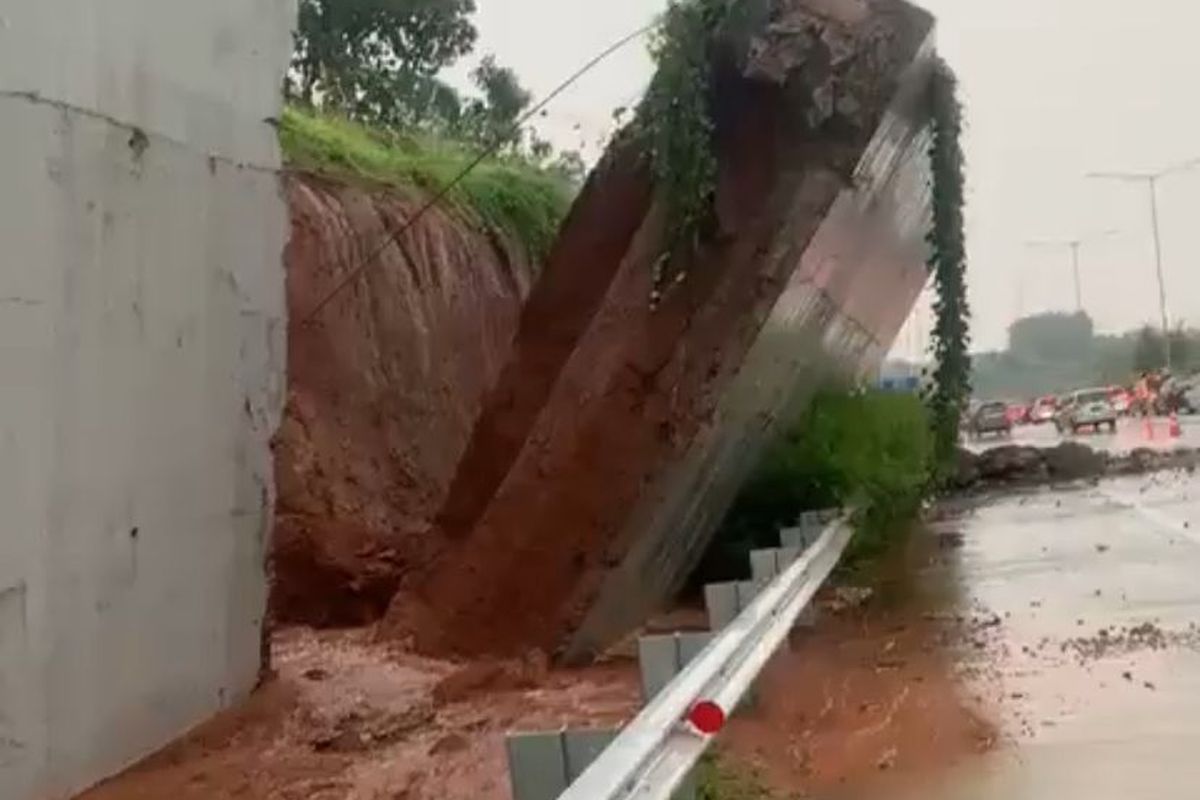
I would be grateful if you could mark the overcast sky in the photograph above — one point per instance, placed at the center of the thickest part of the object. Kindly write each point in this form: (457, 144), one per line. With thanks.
(1053, 89)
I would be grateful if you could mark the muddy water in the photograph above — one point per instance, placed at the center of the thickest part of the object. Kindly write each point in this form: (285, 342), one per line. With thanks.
(1092, 665)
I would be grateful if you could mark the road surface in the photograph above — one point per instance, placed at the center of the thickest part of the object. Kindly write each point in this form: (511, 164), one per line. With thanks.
(1131, 433)
(1092, 659)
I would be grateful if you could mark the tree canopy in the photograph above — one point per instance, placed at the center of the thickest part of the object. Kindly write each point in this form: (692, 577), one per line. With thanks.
(1051, 337)
(377, 62)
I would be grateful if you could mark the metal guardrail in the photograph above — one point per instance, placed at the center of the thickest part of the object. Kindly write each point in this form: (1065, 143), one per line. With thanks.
(653, 755)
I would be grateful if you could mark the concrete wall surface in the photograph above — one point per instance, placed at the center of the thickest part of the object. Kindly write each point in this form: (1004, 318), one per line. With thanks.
(142, 356)
(845, 301)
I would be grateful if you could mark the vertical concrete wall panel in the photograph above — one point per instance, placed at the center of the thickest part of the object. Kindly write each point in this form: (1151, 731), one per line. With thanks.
(141, 372)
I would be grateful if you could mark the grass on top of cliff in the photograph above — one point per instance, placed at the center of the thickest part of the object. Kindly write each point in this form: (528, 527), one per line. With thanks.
(508, 194)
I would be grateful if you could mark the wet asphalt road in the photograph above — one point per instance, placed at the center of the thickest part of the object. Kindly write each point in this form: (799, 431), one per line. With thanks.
(1131, 433)
(1084, 713)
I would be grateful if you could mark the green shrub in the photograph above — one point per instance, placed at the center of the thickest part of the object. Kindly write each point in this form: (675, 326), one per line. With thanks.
(872, 450)
(508, 194)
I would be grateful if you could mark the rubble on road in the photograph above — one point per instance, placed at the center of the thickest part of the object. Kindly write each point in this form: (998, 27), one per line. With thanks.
(1024, 466)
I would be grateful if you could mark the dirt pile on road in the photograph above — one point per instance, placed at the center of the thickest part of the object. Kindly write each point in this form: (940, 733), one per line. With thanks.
(383, 389)
(1019, 466)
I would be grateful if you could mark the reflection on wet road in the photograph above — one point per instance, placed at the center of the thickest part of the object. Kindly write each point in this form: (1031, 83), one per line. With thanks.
(1094, 664)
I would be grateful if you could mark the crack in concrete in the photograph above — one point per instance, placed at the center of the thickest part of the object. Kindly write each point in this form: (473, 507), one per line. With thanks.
(136, 131)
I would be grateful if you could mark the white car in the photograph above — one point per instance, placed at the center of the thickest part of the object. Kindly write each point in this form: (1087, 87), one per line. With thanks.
(1090, 408)
(1191, 398)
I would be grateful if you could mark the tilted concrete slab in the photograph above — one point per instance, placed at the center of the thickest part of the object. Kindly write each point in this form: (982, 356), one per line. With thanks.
(621, 429)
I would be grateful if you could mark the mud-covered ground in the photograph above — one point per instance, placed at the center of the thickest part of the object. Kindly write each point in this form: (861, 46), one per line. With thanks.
(1041, 644)
(346, 717)
(869, 694)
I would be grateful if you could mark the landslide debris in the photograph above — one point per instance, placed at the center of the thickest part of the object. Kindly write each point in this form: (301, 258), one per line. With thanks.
(1016, 466)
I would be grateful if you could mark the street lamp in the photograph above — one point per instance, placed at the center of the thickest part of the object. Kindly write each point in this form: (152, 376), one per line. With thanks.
(1073, 245)
(1151, 179)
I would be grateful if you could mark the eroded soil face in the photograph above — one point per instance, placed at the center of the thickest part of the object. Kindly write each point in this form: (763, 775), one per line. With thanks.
(383, 390)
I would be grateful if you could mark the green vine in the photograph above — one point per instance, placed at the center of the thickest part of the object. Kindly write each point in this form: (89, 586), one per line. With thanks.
(948, 259)
(677, 122)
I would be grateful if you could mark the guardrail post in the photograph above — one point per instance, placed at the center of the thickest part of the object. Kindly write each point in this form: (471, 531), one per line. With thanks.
(721, 601)
(537, 765)
(542, 765)
(658, 751)
(661, 658)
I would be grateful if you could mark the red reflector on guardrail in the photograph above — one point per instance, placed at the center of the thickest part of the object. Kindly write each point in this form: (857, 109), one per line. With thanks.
(707, 717)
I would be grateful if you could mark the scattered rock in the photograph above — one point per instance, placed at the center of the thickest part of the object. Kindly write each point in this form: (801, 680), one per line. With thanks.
(492, 676)
(848, 598)
(316, 674)
(448, 744)
(367, 728)
(1019, 465)
(1072, 461)
(1011, 464)
(950, 540)
(888, 759)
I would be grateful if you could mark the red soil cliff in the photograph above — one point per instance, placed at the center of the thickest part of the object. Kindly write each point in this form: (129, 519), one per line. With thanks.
(383, 390)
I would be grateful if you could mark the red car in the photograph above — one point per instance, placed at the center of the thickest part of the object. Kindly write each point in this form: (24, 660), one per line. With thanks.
(1018, 413)
(1044, 409)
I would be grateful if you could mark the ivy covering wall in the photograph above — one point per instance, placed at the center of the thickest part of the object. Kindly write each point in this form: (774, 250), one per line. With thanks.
(951, 386)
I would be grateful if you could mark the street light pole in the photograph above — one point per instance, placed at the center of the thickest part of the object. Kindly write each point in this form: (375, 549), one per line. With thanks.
(1075, 271)
(1158, 268)
(1151, 179)
(1074, 245)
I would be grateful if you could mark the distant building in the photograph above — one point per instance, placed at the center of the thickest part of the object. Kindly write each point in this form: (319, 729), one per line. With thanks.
(900, 376)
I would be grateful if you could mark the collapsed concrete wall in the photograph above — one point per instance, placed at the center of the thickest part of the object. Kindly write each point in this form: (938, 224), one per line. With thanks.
(619, 431)
(383, 389)
(141, 372)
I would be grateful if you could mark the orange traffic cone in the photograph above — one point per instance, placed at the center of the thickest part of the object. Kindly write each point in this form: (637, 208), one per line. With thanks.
(1148, 428)
(1173, 427)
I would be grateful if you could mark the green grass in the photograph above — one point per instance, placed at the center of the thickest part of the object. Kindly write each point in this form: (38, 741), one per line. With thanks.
(869, 450)
(718, 779)
(507, 194)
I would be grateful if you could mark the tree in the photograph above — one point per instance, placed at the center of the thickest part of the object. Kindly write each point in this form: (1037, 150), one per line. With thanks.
(493, 118)
(1150, 352)
(1052, 337)
(571, 166)
(377, 60)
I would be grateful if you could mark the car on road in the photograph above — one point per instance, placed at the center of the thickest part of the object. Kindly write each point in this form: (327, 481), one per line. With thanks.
(1191, 398)
(1043, 409)
(1121, 399)
(1018, 413)
(990, 418)
(1088, 408)
(1178, 395)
